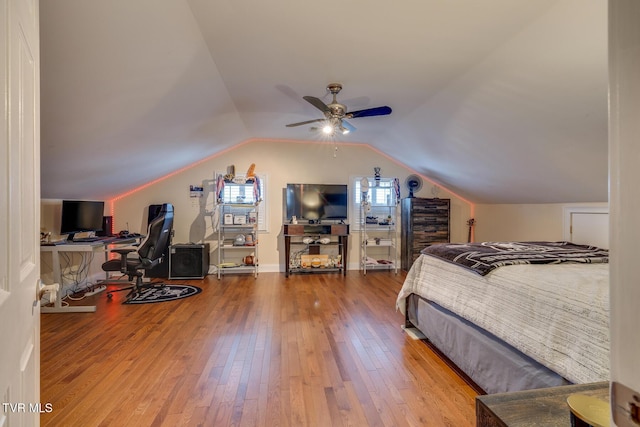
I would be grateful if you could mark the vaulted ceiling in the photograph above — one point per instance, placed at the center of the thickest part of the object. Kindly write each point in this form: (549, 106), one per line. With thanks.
(501, 101)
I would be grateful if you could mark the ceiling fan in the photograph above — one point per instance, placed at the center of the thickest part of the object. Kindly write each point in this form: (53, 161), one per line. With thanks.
(336, 113)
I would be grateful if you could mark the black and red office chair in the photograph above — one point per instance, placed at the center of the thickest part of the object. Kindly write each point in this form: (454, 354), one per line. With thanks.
(149, 254)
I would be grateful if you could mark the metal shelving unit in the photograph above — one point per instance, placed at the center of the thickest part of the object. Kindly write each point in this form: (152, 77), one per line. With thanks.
(378, 227)
(238, 230)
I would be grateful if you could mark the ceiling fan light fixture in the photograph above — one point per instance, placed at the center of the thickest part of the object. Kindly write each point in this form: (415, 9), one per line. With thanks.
(334, 112)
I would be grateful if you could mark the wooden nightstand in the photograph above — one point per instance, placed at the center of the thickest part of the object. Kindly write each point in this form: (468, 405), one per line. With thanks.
(540, 407)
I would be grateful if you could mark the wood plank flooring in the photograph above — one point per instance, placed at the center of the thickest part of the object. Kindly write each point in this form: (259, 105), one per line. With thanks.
(308, 350)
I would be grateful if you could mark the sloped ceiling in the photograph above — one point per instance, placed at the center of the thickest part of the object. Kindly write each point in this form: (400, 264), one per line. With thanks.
(501, 101)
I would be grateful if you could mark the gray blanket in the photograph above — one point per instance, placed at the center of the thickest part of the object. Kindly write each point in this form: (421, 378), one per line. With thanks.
(487, 256)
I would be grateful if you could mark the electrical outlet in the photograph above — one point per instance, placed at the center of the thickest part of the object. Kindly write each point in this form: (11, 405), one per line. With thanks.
(625, 404)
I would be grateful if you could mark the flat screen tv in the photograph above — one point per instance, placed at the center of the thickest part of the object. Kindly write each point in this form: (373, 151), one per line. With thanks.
(80, 216)
(317, 202)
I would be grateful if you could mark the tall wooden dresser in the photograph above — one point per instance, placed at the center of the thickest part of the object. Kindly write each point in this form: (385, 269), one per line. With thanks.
(424, 222)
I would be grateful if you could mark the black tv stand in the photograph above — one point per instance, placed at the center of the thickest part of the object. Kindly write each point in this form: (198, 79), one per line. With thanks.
(341, 231)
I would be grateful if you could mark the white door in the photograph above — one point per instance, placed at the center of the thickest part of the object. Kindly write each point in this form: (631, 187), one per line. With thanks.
(20, 214)
(587, 225)
(624, 175)
(590, 228)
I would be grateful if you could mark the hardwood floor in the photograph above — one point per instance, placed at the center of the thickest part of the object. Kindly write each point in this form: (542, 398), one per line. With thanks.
(308, 350)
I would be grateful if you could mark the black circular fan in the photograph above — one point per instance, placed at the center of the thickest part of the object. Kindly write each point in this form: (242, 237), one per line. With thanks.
(413, 184)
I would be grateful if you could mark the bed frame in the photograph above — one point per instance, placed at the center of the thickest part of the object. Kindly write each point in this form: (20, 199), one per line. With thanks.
(486, 362)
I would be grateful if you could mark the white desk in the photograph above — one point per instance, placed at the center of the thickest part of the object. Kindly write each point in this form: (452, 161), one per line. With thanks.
(57, 274)
(55, 250)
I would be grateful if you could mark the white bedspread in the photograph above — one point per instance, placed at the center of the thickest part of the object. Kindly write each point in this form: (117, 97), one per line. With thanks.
(556, 314)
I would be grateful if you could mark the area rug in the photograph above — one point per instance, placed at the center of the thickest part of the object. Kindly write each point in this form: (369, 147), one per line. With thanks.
(162, 293)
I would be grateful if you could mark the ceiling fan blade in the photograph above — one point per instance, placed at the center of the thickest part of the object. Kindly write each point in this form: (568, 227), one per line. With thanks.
(378, 111)
(316, 102)
(348, 126)
(306, 122)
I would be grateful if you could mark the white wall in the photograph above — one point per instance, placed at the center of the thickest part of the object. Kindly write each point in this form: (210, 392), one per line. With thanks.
(280, 162)
(524, 222)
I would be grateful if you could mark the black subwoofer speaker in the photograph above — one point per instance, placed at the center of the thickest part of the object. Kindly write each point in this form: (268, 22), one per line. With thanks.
(188, 261)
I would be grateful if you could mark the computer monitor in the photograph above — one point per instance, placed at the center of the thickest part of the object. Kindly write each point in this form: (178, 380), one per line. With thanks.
(80, 216)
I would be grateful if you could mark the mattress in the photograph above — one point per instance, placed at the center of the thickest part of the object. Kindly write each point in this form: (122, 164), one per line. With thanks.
(556, 314)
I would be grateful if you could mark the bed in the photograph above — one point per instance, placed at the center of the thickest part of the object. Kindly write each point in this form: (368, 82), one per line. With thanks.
(513, 315)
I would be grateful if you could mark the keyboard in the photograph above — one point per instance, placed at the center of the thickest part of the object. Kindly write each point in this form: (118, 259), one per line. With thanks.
(87, 239)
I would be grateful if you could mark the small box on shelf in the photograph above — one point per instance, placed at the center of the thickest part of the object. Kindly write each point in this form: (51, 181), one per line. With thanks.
(253, 217)
(314, 261)
(379, 242)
